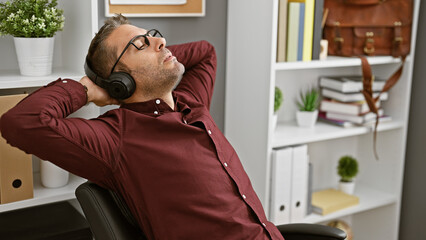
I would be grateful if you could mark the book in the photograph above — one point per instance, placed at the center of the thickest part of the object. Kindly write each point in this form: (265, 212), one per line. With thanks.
(360, 119)
(317, 33)
(308, 30)
(349, 97)
(349, 84)
(282, 31)
(292, 31)
(301, 32)
(331, 200)
(352, 108)
(346, 124)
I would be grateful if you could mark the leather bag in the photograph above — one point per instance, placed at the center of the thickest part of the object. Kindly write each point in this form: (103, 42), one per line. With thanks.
(368, 28)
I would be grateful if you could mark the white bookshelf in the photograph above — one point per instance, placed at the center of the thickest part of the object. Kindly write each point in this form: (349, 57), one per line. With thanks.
(288, 134)
(368, 199)
(81, 23)
(334, 61)
(253, 73)
(44, 195)
(10, 79)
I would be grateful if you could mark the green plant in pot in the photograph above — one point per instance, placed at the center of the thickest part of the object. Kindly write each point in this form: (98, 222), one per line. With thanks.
(347, 169)
(308, 104)
(278, 100)
(33, 24)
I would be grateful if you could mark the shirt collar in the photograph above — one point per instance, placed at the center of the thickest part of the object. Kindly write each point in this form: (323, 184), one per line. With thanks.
(157, 106)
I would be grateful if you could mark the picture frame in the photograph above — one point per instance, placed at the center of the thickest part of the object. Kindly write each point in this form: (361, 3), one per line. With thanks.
(152, 8)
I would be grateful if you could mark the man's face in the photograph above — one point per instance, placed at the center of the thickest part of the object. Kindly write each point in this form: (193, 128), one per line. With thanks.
(155, 70)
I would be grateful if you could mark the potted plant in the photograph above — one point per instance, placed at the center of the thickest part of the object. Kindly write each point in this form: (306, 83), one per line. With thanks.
(33, 24)
(308, 108)
(347, 169)
(278, 100)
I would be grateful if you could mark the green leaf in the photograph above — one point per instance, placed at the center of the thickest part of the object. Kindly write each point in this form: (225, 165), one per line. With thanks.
(33, 11)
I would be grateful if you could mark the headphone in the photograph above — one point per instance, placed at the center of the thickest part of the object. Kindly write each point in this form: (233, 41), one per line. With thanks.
(119, 85)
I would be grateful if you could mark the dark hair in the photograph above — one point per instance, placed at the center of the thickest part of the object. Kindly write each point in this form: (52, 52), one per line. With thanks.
(100, 56)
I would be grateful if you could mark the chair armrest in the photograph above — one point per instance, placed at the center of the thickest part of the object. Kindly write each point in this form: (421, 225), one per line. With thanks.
(305, 231)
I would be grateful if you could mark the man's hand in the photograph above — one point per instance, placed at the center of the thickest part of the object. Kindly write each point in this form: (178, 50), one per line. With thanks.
(96, 94)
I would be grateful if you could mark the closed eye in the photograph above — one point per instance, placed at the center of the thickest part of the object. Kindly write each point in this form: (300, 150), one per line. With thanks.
(140, 43)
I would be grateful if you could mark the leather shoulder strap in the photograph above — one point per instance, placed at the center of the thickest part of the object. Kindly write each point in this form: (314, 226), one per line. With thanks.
(367, 91)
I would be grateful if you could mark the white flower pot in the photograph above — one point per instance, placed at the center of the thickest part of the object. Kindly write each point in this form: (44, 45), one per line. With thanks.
(347, 187)
(34, 55)
(52, 176)
(306, 119)
(274, 120)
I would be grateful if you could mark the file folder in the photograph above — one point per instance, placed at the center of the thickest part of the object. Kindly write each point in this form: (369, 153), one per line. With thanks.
(299, 188)
(281, 186)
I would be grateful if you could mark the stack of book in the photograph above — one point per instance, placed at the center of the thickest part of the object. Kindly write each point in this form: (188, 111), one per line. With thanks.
(331, 200)
(343, 103)
(299, 30)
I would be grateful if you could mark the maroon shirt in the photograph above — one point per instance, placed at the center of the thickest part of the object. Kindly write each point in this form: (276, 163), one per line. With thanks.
(174, 168)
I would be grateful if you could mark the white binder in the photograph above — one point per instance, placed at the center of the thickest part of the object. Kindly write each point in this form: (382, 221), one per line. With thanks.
(299, 182)
(281, 186)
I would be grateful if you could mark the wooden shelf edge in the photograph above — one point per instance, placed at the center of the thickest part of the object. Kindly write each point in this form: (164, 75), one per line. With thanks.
(44, 195)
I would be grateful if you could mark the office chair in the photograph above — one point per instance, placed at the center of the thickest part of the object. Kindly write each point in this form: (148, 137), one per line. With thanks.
(110, 219)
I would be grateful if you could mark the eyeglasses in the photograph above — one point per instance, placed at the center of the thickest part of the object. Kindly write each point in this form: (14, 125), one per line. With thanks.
(140, 42)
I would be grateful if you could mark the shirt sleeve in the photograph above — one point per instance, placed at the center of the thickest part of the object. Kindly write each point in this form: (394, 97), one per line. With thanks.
(38, 125)
(199, 59)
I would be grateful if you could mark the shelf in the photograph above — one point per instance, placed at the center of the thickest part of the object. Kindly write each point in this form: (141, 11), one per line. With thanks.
(333, 61)
(287, 134)
(368, 199)
(44, 195)
(12, 79)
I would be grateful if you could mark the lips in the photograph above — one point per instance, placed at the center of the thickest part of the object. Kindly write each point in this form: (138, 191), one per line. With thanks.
(168, 57)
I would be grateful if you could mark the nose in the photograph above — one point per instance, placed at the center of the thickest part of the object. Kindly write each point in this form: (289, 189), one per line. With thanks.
(158, 43)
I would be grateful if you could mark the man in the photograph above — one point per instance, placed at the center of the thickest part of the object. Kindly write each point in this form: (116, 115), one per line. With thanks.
(161, 150)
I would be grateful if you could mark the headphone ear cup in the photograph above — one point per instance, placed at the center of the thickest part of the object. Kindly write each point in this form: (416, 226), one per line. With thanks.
(121, 85)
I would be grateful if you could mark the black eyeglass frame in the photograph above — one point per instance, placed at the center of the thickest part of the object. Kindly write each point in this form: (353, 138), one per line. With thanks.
(150, 33)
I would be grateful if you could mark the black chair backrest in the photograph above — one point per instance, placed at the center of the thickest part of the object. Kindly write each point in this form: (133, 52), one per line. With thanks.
(110, 219)
(108, 215)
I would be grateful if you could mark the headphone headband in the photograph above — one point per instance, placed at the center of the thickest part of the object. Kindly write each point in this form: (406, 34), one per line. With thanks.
(98, 80)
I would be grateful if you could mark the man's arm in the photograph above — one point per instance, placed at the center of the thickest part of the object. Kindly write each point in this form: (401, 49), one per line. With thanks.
(38, 125)
(199, 59)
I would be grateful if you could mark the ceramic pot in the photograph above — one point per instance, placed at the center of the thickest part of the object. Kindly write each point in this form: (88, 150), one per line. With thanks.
(306, 119)
(52, 176)
(274, 120)
(34, 55)
(347, 187)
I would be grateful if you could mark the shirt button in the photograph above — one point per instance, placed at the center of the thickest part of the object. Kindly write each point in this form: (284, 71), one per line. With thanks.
(65, 81)
(155, 112)
(225, 164)
(210, 132)
(264, 224)
(244, 196)
(157, 101)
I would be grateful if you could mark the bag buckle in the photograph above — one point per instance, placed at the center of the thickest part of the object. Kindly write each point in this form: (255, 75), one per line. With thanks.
(369, 43)
(397, 40)
(339, 39)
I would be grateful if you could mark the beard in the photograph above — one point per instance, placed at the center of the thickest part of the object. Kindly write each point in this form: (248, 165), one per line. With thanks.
(158, 79)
